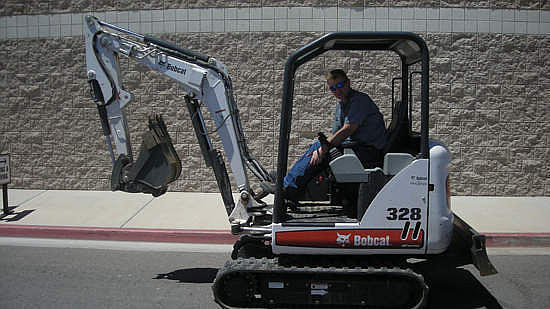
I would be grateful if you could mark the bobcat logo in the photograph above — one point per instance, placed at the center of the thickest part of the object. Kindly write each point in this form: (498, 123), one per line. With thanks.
(343, 240)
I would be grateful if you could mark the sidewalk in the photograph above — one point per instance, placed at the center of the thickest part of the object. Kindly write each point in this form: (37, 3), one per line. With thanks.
(201, 217)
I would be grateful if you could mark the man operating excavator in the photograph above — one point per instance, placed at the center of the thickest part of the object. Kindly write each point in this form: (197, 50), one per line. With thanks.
(357, 121)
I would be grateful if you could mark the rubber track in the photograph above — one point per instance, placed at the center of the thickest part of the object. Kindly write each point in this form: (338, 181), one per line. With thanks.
(271, 266)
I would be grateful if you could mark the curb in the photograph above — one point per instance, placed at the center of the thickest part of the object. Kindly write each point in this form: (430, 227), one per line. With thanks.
(503, 240)
(119, 234)
(493, 240)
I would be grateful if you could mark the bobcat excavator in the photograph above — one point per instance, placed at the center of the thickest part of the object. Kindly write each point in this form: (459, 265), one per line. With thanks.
(317, 252)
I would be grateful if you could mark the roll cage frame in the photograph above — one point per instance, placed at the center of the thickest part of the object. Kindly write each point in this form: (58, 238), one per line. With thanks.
(411, 49)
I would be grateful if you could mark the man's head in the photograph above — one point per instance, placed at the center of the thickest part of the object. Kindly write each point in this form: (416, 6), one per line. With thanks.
(338, 83)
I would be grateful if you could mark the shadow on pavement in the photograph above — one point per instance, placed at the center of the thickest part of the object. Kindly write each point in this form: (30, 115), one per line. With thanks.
(13, 216)
(457, 288)
(191, 275)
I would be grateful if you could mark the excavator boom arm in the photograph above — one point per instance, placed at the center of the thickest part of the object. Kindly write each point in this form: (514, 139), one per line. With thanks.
(205, 82)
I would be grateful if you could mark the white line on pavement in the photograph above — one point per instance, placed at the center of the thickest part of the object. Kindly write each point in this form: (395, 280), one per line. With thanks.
(114, 245)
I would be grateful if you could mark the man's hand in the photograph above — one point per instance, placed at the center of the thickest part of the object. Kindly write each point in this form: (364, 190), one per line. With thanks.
(317, 155)
(345, 131)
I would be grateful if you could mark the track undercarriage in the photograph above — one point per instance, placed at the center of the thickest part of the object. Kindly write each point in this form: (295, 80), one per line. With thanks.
(333, 282)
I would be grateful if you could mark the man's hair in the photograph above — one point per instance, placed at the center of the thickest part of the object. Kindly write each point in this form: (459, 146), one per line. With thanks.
(335, 74)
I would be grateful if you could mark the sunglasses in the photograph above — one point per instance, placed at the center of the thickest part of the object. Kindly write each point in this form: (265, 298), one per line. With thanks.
(337, 86)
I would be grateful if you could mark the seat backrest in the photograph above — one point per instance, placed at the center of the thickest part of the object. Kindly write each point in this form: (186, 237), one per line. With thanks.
(398, 127)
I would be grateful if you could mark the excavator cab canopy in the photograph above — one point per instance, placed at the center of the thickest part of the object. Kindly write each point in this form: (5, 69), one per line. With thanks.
(410, 48)
(407, 48)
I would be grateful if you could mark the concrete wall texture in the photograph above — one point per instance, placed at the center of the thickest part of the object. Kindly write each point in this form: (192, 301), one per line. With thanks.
(489, 95)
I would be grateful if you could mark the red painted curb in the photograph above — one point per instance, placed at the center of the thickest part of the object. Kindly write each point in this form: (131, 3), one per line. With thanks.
(121, 234)
(211, 236)
(517, 239)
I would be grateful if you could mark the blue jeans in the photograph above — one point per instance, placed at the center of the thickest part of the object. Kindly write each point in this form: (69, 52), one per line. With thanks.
(301, 172)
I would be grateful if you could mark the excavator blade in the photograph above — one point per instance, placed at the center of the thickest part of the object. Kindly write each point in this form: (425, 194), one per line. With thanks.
(474, 246)
(467, 247)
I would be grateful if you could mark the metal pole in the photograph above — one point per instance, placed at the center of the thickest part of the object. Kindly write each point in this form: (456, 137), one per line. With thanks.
(6, 209)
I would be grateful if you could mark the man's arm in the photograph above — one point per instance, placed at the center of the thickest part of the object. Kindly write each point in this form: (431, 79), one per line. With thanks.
(335, 140)
(343, 133)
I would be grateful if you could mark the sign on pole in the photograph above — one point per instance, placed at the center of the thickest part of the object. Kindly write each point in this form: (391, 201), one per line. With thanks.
(5, 177)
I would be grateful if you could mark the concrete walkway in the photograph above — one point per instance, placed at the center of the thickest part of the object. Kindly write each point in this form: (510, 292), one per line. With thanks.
(201, 217)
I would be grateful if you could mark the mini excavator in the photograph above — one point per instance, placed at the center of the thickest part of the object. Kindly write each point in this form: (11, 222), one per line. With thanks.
(352, 239)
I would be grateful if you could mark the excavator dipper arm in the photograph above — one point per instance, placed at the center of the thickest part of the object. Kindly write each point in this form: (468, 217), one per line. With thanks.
(205, 82)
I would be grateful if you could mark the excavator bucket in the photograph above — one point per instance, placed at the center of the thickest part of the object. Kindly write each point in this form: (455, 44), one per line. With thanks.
(157, 165)
(158, 161)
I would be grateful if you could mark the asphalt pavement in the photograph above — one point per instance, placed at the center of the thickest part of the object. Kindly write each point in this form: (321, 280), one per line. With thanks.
(67, 277)
(191, 217)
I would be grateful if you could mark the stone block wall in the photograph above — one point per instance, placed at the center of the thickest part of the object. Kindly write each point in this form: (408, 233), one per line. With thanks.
(15, 7)
(489, 88)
